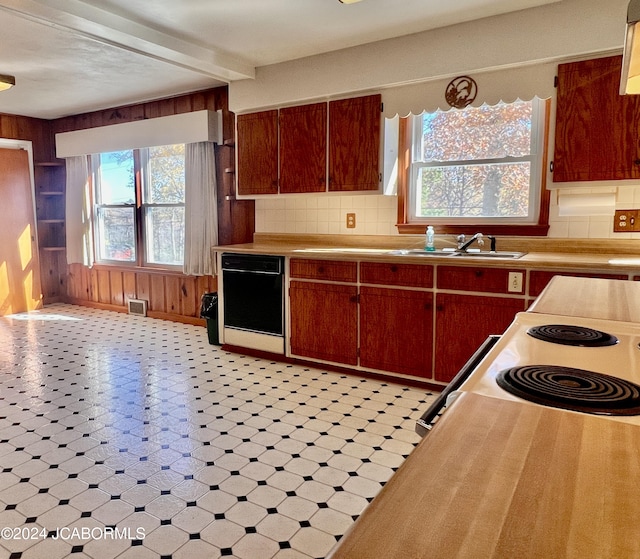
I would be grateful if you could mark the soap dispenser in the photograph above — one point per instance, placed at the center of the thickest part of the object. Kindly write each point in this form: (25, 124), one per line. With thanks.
(430, 240)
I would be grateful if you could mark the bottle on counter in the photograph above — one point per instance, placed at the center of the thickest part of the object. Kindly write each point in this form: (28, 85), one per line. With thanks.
(430, 240)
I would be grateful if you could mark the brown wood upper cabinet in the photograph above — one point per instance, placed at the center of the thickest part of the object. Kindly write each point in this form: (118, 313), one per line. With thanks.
(354, 144)
(596, 127)
(258, 153)
(303, 148)
(290, 150)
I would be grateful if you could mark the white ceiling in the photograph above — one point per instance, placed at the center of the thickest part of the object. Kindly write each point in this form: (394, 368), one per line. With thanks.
(70, 57)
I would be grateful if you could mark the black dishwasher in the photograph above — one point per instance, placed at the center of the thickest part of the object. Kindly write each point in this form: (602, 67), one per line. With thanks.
(253, 301)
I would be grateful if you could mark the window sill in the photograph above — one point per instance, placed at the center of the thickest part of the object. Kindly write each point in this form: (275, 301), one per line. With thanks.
(537, 230)
(136, 268)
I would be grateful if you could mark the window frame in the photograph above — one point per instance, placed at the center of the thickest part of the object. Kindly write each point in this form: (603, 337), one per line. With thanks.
(532, 226)
(141, 172)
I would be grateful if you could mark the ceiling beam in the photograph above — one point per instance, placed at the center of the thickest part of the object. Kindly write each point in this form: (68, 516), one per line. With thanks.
(108, 28)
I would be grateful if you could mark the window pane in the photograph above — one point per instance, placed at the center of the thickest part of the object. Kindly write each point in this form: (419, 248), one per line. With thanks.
(165, 181)
(477, 133)
(165, 235)
(116, 234)
(116, 183)
(496, 190)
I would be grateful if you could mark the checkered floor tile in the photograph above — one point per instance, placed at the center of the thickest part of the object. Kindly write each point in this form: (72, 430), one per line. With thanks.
(129, 437)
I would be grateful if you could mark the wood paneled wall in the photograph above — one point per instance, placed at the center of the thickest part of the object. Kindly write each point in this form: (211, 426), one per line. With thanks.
(35, 130)
(171, 296)
(211, 99)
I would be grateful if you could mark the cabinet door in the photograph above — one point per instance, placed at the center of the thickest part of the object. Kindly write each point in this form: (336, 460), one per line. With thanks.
(303, 148)
(463, 322)
(324, 321)
(258, 153)
(596, 127)
(354, 143)
(396, 330)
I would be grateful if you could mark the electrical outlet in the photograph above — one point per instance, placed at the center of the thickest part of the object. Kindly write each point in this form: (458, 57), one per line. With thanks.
(351, 221)
(515, 282)
(626, 221)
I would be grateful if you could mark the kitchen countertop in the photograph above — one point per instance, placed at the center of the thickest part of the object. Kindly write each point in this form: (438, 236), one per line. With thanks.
(605, 256)
(590, 298)
(507, 480)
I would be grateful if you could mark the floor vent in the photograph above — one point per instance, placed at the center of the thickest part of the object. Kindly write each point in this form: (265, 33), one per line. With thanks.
(137, 307)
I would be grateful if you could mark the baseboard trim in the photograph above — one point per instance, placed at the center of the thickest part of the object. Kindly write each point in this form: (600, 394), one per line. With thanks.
(123, 309)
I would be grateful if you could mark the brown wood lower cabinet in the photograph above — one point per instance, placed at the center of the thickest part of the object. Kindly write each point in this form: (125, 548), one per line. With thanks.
(463, 322)
(396, 330)
(324, 321)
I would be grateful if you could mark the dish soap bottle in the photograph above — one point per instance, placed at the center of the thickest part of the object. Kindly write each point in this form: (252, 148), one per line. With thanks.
(430, 241)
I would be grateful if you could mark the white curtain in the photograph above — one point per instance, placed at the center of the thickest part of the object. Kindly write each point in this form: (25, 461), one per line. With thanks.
(201, 214)
(78, 212)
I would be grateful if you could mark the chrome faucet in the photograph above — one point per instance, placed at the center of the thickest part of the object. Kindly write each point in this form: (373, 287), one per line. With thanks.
(463, 244)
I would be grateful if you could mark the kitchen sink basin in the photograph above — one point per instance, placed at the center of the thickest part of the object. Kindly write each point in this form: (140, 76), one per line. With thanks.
(471, 254)
(421, 252)
(499, 254)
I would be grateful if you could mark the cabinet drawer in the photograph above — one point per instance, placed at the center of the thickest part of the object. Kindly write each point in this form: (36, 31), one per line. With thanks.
(410, 275)
(332, 270)
(490, 280)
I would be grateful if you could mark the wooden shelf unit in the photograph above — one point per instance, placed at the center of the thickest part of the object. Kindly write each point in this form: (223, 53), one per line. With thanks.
(50, 179)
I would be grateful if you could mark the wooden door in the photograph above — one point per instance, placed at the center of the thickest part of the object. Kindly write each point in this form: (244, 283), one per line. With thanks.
(303, 148)
(396, 330)
(20, 288)
(354, 143)
(463, 322)
(324, 321)
(258, 153)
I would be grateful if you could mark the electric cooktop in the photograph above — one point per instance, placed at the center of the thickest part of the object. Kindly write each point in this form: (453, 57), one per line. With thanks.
(578, 364)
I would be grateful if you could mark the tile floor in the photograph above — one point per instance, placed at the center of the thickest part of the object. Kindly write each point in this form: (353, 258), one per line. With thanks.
(130, 437)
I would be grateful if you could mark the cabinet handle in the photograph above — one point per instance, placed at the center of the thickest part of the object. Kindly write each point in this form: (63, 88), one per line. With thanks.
(439, 308)
(394, 268)
(479, 273)
(320, 269)
(636, 161)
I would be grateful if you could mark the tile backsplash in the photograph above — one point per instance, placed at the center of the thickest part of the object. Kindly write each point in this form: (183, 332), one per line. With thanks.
(377, 214)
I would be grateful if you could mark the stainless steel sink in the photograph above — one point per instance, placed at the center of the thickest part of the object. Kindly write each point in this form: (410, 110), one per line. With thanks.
(420, 252)
(440, 252)
(499, 254)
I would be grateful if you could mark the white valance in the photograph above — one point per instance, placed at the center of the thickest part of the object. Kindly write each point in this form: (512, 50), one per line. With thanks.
(507, 85)
(185, 128)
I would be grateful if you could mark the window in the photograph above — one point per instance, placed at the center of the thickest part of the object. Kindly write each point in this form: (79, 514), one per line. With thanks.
(139, 206)
(477, 165)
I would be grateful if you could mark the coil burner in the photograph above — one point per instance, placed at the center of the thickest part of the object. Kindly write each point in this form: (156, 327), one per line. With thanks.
(572, 389)
(566, 334)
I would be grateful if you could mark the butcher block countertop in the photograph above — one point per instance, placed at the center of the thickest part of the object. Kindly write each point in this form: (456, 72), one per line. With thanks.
(590, 298)
(508, 480)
